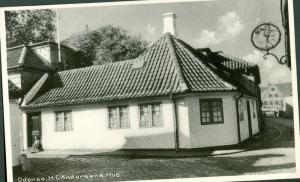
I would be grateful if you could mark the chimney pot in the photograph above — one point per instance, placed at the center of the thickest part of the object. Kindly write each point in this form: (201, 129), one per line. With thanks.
(170, 23)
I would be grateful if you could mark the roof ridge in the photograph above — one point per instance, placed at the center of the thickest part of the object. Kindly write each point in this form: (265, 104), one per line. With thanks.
(15, 47)
(171, 47)
(100, 65)
(23, 55)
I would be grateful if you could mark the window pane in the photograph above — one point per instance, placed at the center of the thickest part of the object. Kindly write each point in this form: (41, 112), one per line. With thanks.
(205, 113)
(124, 122)
(217, 111)
(113, 117)
(155, 111)
(63, 121)
(59, 121)
(144, 116)
(68, 121)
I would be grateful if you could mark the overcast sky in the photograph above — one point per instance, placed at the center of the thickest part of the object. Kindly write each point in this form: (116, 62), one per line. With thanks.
(223, 25)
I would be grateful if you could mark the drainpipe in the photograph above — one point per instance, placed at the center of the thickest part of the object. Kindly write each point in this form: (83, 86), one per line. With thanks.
(176, 136)
(237, 116)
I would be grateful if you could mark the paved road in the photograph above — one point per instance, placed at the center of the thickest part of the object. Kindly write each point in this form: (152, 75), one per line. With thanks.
(276, 155)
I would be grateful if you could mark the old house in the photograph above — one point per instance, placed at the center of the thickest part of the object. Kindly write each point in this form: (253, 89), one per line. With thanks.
(171, 96)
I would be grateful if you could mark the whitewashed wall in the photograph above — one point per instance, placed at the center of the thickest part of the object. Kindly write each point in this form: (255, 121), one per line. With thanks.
(15, 124)
(90, 127)
(90, 130)
(215, 134)
(183, 123)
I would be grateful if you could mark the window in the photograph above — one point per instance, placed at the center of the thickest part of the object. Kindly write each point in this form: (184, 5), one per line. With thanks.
(271, 102)
(63, 121)
(272, 89)
(241, 110)
(211, 111)
(277, 102)
(253, 109)
(276, 95)
(270, 96)
(118, 117)
(265, 102)
(150, 115)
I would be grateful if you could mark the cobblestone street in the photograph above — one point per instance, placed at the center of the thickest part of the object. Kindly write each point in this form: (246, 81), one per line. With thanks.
(276, 155)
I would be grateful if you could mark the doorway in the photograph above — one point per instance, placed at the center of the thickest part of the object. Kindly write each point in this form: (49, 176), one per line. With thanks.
(33, 128)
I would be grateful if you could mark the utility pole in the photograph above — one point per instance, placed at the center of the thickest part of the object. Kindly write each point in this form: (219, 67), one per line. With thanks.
(58, 38)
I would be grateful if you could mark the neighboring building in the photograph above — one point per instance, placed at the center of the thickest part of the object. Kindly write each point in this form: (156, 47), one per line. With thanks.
(171, 96)
(278, 96)
(26, 65)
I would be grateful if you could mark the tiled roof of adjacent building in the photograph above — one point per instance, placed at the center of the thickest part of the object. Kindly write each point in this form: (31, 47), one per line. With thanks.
(225, 60)
(234, 63)
(23, 56)
(167, 67)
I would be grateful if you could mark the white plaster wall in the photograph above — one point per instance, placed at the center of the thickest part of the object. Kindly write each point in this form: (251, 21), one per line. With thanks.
(244, 130)
(90, 130)
(215, 134)
(183, 123)
(15, 78)
(15, 123)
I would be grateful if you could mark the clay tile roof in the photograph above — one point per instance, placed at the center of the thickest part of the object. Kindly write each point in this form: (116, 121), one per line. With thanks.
(234, 63)
(23, 56)
(167, 67)
(13, 56)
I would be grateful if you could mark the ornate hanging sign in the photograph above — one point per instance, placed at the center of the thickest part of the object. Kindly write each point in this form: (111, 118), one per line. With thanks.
(266, 37)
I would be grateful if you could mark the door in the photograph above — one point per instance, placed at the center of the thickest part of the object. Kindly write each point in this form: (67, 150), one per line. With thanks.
(249, 118)
(33, 128)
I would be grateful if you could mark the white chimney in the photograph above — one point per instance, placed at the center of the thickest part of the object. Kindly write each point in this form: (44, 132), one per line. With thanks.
(170, 23)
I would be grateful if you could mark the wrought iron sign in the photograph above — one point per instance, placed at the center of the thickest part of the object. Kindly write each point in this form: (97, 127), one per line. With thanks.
(266, 37)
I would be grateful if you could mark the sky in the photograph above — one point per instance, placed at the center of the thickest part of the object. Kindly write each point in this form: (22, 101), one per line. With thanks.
(223, 25)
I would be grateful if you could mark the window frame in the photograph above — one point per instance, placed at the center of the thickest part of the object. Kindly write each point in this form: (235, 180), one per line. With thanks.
(119, 118)
(64, 125)
(211, 121)
(149, 104)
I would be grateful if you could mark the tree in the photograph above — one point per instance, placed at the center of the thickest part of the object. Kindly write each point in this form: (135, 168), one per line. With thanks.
(29, 26)
(106, 44)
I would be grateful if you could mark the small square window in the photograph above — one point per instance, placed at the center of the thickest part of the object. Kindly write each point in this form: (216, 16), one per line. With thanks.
(118, 117)
(150, 115)
(211, 111)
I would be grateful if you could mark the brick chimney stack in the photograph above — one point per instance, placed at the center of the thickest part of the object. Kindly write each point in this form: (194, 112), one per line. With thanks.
(170, 23)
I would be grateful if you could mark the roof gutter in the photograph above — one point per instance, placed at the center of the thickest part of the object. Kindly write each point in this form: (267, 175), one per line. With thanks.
(237, 117)
(176, 135)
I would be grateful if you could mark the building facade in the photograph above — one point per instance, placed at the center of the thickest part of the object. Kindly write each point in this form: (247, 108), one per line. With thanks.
(278, 96)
